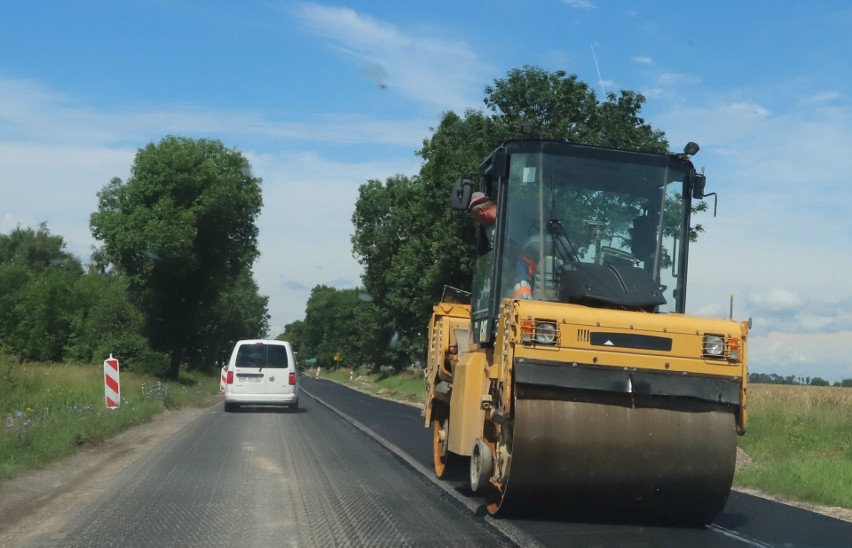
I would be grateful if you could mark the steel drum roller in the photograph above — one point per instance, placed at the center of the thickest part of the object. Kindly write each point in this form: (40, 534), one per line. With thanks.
(674, 465)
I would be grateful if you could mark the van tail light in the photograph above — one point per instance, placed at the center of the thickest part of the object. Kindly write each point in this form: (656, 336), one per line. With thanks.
(230, 377)
(292, 379)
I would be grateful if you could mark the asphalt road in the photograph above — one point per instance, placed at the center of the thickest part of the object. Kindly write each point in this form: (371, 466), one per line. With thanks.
(347, 469)
(267, 477)
(745, 521)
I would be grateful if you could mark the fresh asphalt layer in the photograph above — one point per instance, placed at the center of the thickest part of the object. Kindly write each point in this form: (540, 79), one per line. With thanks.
(746, 519)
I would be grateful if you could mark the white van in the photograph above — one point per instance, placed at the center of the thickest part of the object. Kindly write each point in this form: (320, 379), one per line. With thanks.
(262, 372)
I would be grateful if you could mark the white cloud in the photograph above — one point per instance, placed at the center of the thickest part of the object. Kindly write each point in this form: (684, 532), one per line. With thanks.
(343, 129)
(580, 4)
(823, 355)
(776, 300)
(747, 110)
(443, 73)
(671, 79)
(643, 60)
(58, 185)
(32, 113)
(822, 97)
(606, 84)
(813, 323)
(306, 225)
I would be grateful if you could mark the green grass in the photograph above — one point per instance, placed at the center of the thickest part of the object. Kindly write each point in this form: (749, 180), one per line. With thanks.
(800, 442)
(406, 386)
(799, 437)
(47, 411)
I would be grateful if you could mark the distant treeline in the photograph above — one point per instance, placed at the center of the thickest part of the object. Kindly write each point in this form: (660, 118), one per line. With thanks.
(774, 378)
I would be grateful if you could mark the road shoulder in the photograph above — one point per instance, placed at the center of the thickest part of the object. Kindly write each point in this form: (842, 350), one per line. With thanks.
(39, 500)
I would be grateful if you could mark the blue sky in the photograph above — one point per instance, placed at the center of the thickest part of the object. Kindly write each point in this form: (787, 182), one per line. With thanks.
(322, 97)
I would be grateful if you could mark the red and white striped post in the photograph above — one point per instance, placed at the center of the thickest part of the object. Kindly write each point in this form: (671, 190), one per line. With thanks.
(112, 388)
(223, 378)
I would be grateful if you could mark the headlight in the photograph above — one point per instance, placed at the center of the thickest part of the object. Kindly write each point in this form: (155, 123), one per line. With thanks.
(714, 346)
(541, 332)
(545, 333)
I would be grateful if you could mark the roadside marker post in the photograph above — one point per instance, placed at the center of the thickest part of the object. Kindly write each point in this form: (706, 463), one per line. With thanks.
(112, 387)
(222, 378)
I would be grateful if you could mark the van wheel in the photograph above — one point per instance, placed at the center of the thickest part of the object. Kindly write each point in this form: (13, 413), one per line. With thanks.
(294, 406)
(230, 407)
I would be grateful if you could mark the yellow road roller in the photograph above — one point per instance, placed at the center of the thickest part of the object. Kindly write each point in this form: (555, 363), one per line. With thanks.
(570, 377)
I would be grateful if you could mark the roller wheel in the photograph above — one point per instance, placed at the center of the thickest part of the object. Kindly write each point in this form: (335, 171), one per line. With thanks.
(440, 433)
(481, 464)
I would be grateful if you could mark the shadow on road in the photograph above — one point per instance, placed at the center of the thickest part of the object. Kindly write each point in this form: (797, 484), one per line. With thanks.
(269, 409)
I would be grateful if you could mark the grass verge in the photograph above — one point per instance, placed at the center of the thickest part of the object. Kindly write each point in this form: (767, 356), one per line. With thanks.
(800, 443)
(407, 386)
(50, 410)
(798, 440)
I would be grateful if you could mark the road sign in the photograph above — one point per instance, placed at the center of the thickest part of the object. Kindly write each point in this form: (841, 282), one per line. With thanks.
(112, 387)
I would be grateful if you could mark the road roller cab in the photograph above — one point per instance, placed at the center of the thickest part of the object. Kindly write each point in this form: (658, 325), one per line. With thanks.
(593, 389)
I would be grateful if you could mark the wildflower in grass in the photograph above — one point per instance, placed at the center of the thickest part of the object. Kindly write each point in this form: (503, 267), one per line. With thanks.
(158, 390)
(18, 424)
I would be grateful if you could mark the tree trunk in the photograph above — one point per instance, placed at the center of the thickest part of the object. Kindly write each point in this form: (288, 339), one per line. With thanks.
(174, 365)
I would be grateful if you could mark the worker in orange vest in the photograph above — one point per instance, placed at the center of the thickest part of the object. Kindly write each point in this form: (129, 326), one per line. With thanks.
(483, 210)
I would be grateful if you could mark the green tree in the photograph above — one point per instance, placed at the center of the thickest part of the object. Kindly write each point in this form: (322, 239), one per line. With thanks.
(406, 237)
(293, 333)
(182, 229)
(561, 107)
(399, 230)
(36, 249)
(105, 322)
(340, 322)
(43, 315)
(239, 313)
(13, 278)
(37, 296)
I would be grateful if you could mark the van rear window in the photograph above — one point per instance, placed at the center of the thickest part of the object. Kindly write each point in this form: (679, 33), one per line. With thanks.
(262, 355)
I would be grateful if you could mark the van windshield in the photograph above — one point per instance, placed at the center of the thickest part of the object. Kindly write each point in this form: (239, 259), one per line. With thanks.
(262, 355)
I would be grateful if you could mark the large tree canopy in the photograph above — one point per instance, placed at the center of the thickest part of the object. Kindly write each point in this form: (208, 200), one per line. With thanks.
(182, 230)
(409, 241)
(51, 311)
(560, 107)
